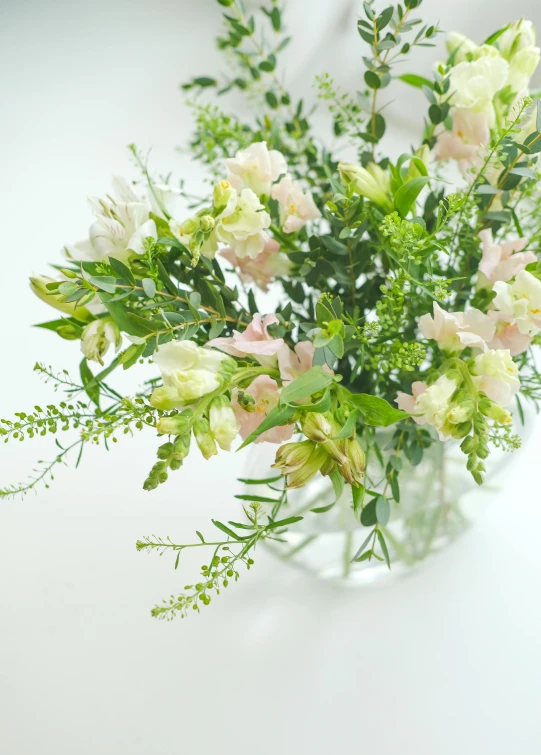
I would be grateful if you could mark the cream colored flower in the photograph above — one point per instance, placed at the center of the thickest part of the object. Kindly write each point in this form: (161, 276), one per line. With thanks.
(474, 84)
(188, 372)
(98, 336)
(497, 375)
(429, 404)
(244, 227)
(223, 423)
(520, 302)
(256, 168)
(120, 228)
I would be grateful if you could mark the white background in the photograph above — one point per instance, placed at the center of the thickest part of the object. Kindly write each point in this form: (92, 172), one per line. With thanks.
(443, 662)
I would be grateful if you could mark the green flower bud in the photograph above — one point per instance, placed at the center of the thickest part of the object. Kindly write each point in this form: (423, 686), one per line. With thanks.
(175, 424)
(166, 398)
(204, 438)
(373, 182)
(353, 470)
(206, 223)
(39, 283)
(299, 462)
(317, 427)
(246, 401)
(494, 411)
(222, 193)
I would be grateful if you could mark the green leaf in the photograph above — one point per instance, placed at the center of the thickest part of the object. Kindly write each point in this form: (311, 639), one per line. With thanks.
(104, 282)
(226, 529)
(149, 287)
(338, 483)
(92, 388)
(280, 415)
(384, 18)
(256, 498)
(265, 481)
(416, 81)
(205, 81)
(538, 115)
(383, 546)
(165, 279)
(284, 522)
(358, 492)
(122, 270)
(349, 426)
(358, 557)
(524, 172)
(497, 34)
(372, 80)
(406, 195)
(368, 514)
(376, 411)
(313, 381)
(383, 510)
(323, 509)
(120, 315)
(272, 100)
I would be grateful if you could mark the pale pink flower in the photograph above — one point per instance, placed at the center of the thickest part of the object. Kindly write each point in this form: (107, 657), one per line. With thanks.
(296, 207)
(255, 341)
(264, 390)
(455, 331)
(295, 363)
(508, 336)
(466, 141)
(408, 403)
(501, 262)
(262, 270)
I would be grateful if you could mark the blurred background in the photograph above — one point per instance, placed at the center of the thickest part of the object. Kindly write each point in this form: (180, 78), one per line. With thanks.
(446, 661)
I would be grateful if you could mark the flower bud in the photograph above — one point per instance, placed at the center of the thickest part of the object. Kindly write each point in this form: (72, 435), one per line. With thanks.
(353, 470)
(98, 336)
(165, 398)
(373, 182)
(299, 462)
(317, 427)
(174, 424)
(223, 423)
(423, 153)
(204, 438)
(460, 412)
(495, 412)
(38, 284)
(206, 223)
(222, 194)
(246, 401)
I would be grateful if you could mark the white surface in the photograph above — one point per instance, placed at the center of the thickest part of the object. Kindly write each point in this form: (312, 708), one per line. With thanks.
(444, 662)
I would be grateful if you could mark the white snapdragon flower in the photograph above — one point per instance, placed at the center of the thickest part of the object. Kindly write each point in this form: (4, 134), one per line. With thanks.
(520, 302)
(243, 228)
(98, 336)
(521, 68)
(455, 331)
(256, 168)
(223, 423)
(473, 84)
(188, 372)
(429, 404)
(296, 206)
(122, 224)
(496, 374)
(373, 182)
(518, 36)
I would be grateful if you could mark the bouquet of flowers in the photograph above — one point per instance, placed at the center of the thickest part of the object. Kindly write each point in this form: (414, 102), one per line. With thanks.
(399, 302)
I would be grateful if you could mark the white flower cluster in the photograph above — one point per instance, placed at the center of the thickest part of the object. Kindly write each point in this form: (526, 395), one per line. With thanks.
(485, 83)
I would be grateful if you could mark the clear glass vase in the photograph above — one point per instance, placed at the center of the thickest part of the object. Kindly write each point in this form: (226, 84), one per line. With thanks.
(438, 501)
